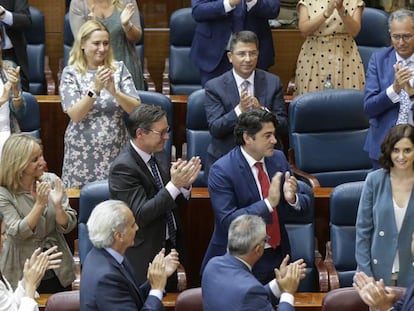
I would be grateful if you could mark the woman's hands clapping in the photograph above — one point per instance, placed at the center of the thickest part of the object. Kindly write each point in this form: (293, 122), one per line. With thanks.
(104, 78)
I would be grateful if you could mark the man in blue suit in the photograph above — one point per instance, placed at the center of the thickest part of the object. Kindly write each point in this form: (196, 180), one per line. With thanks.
(236, 186)
(229, 95)
(228, 283)
(217, 20)
(390, 71)
(108, 281)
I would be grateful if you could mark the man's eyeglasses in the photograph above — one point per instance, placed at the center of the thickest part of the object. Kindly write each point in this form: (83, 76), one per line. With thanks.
(406, 37)
(244, 54)
(161, 134)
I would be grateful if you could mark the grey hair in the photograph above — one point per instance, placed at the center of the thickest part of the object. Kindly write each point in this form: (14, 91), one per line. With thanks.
(106, 219)
(400, 15)
(245, 233)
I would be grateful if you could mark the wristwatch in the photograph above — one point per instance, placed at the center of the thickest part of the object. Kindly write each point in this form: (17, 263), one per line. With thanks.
(92, 94)
(344, 13)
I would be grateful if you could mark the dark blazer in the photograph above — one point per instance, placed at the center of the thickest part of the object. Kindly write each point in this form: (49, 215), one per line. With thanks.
(233, 192)
(222, 95)
(21, 21)
(214, 28)
(131, 181)
(105, 286)
(382, 112)
(228, 284)
(407, 302)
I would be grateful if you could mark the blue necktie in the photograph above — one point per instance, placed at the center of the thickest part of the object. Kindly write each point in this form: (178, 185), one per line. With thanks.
(169, 215)
(405, 106)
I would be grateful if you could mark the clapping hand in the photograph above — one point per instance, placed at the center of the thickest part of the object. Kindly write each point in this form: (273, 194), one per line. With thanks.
(290, 188)
(126, 14)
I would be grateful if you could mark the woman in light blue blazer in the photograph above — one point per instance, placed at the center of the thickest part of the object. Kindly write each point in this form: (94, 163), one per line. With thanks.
(385, 220)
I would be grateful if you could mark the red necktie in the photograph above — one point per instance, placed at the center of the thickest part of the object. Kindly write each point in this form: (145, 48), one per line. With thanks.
(272, 229)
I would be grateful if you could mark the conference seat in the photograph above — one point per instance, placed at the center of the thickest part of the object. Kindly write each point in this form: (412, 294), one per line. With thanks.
(64, 301)
(68, 40)
(198, 135)
(373, 35)
(40, 76)
(340, 250)
(30, 123)
(301, 232)
(91, 195)
(189, 300)
(347, 299)
(327, 131)
(181, 76)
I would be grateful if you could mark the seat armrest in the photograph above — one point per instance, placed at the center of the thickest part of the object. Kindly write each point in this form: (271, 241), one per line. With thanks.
(333, 274)
(149, 82)
(308, 178)
(50, 83)
(76, 259)
(322, 270)
(182, 278)
(166, 78)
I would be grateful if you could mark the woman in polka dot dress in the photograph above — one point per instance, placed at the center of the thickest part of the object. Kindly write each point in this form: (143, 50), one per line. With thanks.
(329, 47)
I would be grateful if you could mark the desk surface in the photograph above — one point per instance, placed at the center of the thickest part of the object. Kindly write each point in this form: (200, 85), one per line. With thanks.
(302, 300)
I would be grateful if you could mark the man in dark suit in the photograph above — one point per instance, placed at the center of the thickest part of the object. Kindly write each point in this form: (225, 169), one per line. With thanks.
(15, 15)
(143, 177)
(108, 282)
(254, 178)
(389, 76)
(228, 96)
(228, 282)
(217, 20)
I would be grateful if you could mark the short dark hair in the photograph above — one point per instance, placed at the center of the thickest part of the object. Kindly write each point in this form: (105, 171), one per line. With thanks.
(143, 117)
(251, 122)
(396, 133)
(245, 36)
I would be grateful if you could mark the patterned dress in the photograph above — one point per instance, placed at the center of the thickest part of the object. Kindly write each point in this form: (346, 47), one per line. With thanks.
(94, 142)
(329, 50)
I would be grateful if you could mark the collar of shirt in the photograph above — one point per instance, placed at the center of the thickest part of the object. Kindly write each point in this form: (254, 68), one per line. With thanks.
(118, 257)
(240, 80)
(248, 266)
(144, 156)
(250, 160)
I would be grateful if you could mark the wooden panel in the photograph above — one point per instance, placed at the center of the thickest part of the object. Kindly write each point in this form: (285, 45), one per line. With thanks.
(287, 44)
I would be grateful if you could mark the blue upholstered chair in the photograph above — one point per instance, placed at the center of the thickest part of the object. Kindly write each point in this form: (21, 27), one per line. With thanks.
(159, 99)
(40, 75)
(301, 232)
(327, 131)
(374, 33)
(68, 43)
(30, 123)
(181, 76)
(198, 135)
(91, 195)
(340, 250)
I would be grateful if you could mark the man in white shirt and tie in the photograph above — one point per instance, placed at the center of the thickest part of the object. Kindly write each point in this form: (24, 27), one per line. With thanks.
(143, 177)
(238, 90)
(389, 83)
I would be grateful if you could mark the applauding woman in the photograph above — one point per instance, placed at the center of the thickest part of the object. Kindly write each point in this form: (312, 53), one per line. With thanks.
(34, 269)
(96, 92)
(36, 211)
(385, 220)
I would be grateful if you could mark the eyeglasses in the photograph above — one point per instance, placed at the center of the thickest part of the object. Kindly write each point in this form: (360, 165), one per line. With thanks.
(405, 37)
(161, 134)
(244, 54)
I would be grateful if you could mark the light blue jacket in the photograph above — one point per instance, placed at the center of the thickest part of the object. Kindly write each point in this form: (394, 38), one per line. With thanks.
(377, 238)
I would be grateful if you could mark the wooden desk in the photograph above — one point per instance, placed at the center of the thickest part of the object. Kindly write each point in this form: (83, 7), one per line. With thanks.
(303, 301)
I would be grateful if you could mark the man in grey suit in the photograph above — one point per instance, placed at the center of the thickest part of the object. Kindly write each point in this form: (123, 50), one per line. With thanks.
(143, 177)
(238, 90)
